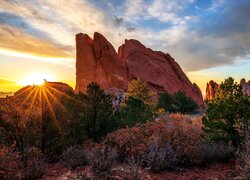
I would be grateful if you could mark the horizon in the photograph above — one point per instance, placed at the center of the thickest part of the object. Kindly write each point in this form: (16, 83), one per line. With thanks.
(209, 40)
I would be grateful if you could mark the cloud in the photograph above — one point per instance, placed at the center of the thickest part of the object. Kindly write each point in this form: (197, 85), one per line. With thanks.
(118, 21)
(130, 29)
(7, 85)
(14, 39)
(198, 38)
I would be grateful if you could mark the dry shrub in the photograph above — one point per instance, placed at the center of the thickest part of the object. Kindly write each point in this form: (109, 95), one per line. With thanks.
(160, 156)
(132, 142)
(34, 164)
(131, 170)
(74, 157)
(102, 159)
(9, 163)
(171, 140)
(210, 151)
(243, 156)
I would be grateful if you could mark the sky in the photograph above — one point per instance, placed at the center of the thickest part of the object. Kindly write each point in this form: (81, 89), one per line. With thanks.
(210, 39)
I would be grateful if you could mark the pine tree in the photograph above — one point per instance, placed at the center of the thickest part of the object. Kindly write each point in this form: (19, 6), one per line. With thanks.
(224, 112)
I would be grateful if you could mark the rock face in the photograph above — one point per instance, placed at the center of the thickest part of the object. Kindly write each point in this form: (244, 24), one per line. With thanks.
(245, 87)
(97, 60)
(211, 90)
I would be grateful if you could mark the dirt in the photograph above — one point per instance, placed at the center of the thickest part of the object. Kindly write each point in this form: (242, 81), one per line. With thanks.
(215, 171)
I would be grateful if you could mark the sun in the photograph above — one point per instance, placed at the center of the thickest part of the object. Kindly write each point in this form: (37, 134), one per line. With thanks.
(36, 79)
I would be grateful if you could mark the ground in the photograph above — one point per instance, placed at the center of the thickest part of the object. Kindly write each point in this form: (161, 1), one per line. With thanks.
(215, 171)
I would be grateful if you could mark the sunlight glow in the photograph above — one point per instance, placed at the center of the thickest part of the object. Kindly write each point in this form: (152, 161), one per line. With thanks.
(36, 79)
(56, 60)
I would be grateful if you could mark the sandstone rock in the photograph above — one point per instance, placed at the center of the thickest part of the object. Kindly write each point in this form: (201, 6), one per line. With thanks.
(245, 87)
(211, 90)
(97, 60)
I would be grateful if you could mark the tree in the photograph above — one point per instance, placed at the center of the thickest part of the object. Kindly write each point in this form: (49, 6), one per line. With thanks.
(228, 109)
(139, 89)
(134, 111)
(178, 102)
(99, 113)
(73, 119)
(184, 104)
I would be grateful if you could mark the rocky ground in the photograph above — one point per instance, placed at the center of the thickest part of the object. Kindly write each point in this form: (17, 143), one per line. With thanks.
(215, 171)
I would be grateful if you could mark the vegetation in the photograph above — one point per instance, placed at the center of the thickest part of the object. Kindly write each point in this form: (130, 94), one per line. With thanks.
(83, 130)
(139, 89)
(134, 111)
(178, 102)
(227, 112)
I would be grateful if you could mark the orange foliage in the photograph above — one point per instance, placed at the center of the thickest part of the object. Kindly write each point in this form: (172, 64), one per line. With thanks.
(176, 128)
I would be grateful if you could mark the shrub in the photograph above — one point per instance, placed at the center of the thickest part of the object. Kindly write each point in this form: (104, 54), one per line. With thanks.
(74, 157)
(132, 142)
(243, 156)
(102, 159)
(10, 163)
(160, 156)
(209, 151)
(34, 164)
(172, 140)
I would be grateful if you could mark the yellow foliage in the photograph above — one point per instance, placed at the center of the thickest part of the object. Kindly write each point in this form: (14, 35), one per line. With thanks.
(138, 88)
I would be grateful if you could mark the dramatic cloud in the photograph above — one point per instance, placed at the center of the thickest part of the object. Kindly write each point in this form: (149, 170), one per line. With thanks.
(198, 34)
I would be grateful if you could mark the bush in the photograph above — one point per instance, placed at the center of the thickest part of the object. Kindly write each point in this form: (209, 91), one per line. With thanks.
(34, 164)
(209, 151)
(10, 164)
(132, 142)
(173, 140)
(160, 156)
(243, 155)
(102, 159)
(74, 157)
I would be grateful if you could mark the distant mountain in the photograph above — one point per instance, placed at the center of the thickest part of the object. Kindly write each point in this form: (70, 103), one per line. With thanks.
(97, 60)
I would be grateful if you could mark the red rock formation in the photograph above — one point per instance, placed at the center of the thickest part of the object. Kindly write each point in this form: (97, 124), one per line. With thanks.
(245, 87)
(211, 90)
(98, 61)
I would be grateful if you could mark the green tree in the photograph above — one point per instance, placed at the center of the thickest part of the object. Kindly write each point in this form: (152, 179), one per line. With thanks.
(228, 109)
(73, 118)
(134, 111)
(99, 112)
(178, 102)
(184, 104)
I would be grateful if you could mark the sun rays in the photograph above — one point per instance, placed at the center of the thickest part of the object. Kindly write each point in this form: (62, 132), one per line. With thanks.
(42, 100)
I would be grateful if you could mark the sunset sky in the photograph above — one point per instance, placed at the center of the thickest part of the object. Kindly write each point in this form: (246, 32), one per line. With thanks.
(210, 39)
